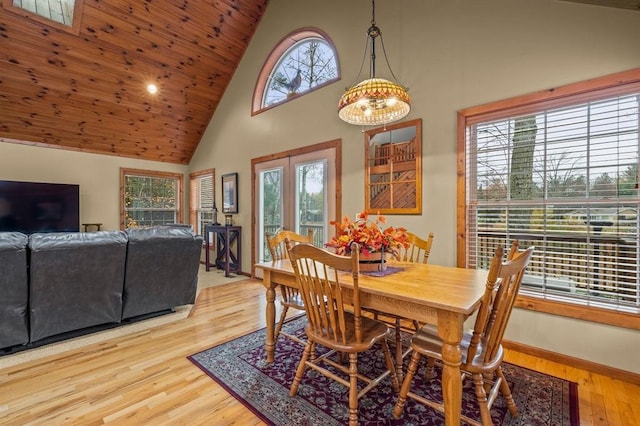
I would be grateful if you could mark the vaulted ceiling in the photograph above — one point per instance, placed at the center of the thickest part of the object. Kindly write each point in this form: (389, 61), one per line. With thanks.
(85, 90)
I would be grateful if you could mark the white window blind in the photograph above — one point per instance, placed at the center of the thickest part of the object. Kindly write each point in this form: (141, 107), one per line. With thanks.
(201, 199)
(205, 200)
(564, 179)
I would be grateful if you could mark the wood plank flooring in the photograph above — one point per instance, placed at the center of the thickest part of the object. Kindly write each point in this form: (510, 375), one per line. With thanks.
(145, 377)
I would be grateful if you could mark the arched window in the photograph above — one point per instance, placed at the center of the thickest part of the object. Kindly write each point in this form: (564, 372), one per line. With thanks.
(302, 61)
(62, 14)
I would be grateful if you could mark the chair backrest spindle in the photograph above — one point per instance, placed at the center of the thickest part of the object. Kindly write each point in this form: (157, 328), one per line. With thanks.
(418, 250)
(276, 244)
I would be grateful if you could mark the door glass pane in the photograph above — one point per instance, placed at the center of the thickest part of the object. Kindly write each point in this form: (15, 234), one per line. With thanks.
(270, 207)
(294, 193)
(311, 200)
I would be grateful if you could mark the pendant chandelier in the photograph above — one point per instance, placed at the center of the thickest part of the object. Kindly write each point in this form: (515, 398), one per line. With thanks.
(374, 101)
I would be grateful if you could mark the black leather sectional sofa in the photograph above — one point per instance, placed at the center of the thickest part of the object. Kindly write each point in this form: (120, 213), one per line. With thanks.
(59, 285)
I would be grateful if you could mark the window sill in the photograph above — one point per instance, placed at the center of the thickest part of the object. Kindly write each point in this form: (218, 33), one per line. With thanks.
(585, 313)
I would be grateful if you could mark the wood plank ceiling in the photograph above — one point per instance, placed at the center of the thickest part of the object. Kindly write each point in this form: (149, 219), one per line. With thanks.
(86, 91)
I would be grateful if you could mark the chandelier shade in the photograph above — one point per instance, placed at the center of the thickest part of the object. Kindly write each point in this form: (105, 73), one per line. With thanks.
(374, 101)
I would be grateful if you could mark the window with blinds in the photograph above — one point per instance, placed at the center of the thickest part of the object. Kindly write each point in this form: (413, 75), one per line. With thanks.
(202, 189)
(561, 176)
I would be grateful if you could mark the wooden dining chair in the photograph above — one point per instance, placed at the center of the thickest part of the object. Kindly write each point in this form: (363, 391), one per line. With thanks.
(341, 329)
(418, 251)
(290, 297)
(481, 347)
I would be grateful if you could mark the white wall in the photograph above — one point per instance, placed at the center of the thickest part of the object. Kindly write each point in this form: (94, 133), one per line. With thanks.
(451, 54)
(97, 175)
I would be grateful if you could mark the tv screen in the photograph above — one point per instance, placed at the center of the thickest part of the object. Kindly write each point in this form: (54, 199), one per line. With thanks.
(39, 207)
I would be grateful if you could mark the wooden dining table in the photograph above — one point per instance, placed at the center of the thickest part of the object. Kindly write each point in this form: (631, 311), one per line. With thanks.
(439, 295)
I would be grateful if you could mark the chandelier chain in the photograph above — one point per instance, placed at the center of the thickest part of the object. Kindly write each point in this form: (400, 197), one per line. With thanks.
(384, 52)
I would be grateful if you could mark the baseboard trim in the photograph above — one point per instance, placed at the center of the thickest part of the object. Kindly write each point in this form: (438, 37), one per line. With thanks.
(605, 370)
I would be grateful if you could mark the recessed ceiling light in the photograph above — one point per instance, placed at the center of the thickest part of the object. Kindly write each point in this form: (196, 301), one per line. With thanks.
(152, 88)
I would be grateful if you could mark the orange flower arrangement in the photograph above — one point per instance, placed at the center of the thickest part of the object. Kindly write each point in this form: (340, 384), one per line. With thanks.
(368, 235)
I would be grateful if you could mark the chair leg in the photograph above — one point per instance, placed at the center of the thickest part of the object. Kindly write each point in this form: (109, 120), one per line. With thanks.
(283, 316)
(429, 371)
(489, 378)
(481, 396)
(301, 368)
(406, 384)
(399, 350)
(395, 384)
(506, 392)
(353, 389)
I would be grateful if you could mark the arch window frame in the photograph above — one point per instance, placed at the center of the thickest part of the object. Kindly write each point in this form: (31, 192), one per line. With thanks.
(279, 53)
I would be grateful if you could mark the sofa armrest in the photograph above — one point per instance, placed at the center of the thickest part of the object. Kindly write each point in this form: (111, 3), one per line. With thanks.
(14, 289)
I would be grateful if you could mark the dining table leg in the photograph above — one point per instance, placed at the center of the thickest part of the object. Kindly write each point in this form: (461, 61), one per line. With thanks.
(450, 330)
(271, 315)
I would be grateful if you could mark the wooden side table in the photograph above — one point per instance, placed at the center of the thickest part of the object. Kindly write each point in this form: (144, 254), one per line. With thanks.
(229, 248)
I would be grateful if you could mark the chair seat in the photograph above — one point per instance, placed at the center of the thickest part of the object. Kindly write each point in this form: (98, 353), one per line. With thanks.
(372, 331)
(427, 342)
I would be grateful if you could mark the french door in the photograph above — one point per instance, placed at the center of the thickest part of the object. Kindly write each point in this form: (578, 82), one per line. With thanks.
(297, 193)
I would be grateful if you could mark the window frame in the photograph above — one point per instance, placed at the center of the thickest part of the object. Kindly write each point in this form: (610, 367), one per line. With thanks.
(571, 94)
(178, 177)
(275, 56)
(74, 28)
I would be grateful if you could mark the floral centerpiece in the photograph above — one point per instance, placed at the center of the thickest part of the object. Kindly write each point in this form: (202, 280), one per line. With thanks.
(369, 235)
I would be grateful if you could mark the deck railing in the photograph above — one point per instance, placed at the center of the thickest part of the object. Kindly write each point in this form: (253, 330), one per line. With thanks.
(596, 265)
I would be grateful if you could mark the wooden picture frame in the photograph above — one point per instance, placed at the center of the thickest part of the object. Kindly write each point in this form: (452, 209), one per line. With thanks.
(230, 193)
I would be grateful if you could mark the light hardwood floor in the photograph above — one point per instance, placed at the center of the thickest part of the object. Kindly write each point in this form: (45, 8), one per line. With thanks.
(145, 377)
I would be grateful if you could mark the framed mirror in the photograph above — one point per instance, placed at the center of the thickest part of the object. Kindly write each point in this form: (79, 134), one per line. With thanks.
(393, 169)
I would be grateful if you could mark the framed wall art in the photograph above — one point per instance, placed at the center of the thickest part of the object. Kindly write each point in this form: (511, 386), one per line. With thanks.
(230, 193)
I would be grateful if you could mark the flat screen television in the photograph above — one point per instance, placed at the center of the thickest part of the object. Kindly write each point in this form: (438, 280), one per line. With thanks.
(31, 207)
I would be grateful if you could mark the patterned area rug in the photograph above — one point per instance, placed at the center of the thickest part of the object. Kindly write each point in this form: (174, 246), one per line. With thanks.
(240, 367)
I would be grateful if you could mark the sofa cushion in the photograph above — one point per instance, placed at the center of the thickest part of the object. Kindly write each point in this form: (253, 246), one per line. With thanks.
(76, 280)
